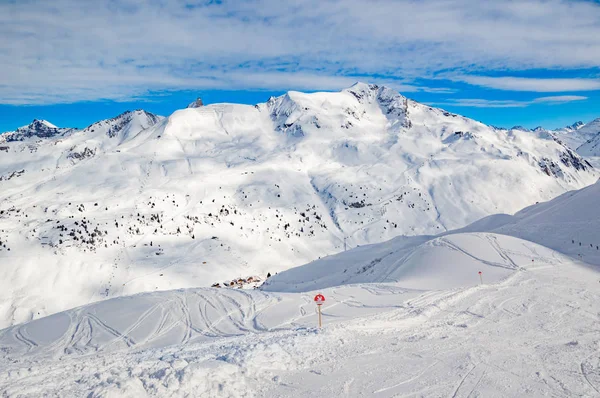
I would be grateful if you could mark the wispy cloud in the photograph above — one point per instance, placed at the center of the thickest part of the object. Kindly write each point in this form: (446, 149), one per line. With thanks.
(531, 84)
(559, 99)
(484, 103)
(71, 50)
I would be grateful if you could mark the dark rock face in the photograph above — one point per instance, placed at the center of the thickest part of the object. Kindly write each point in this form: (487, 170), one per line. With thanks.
(37, 128)
(196, 104)
(84, 154)
(576, 125)
(14, 174)
(40, 129)
(569, 159)
(550, 167)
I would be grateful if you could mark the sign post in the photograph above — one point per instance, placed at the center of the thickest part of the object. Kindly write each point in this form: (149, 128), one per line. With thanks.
(319, 300)
(480, 277)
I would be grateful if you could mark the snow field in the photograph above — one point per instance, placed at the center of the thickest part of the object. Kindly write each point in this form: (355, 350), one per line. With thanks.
(425, 263)
(534, 333)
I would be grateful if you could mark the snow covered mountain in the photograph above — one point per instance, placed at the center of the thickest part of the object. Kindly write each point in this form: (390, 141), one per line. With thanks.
(123, 127)
(50, 148)
(577, 135)
(569, 135)
(591, 146)
(36, 129)
(407, 317)
(140, 203)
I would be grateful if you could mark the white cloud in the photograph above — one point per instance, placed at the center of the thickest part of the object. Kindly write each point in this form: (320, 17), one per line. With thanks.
(69, 50)
(532, 84)
(484, 103)
(560, 99)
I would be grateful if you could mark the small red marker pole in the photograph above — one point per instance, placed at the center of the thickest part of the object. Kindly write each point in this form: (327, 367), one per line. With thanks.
(319, 300)
(480, 277)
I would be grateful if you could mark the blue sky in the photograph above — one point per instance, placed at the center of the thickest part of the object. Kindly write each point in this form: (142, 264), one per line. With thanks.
(526, 62)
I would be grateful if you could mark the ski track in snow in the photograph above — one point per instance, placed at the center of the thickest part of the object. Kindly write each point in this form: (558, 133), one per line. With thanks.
(527, 335)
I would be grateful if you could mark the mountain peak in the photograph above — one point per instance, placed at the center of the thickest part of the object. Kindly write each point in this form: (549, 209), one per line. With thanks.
(196, 104)
(128, 113)
(361, 90)
(38, 124)
(42, 122)
(363, 86)
(37, 128)
(576, 125)
(138, 120)
(385, 96)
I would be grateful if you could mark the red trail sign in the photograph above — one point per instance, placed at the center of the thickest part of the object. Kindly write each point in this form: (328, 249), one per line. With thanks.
(319, 299)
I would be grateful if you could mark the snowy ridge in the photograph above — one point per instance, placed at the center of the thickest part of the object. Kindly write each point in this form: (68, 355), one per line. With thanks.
(210, 194)
(421, 262)
(569, 224)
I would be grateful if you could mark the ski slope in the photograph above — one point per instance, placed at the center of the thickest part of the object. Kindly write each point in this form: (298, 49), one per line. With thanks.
(533, 332)
(568, 223)
(404, 317)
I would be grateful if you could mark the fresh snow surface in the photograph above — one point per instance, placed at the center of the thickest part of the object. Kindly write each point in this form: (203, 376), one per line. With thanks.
(408, 317)
(530, 330)
(141, 203)
(411, 261)
(569, 224)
